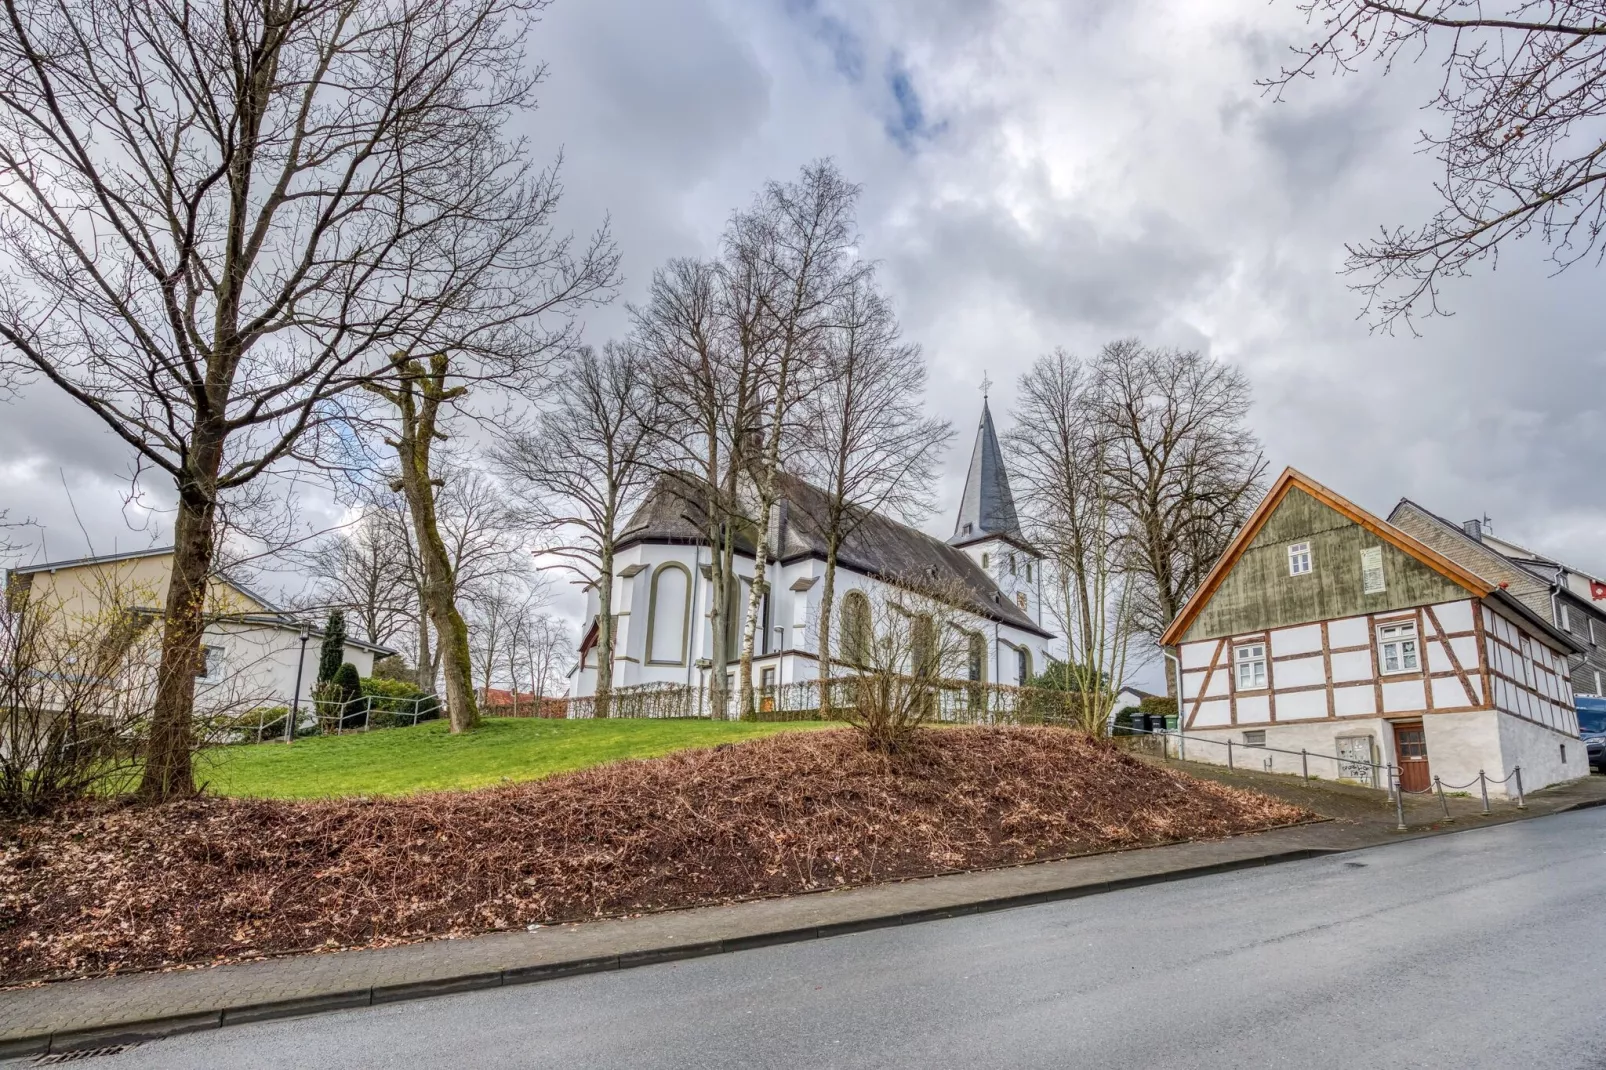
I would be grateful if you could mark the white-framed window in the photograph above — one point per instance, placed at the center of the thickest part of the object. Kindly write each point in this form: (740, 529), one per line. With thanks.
(1397, 649)
(1299, 559)
(1255, 737)
(1250, 659)
(1564, 616)
(211, 670)
(1372, 570)
(1593, 641)
(1598, 682)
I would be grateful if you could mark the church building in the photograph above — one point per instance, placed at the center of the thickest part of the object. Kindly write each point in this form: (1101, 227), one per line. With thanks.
(662, 591)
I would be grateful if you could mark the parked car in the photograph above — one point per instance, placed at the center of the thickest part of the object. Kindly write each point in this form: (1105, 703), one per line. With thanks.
(1592, 727)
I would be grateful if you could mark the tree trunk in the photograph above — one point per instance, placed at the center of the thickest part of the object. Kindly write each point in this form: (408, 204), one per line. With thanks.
(604, 699)
(168, 770)
(827, 604)
(719, 580)
(418, 397)
(755, 601)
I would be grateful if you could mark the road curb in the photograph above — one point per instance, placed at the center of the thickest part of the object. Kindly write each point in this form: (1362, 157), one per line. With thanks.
(140, 1030)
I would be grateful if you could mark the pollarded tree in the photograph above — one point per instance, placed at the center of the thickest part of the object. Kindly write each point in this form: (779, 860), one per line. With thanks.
(1524, 89)
(216, 220)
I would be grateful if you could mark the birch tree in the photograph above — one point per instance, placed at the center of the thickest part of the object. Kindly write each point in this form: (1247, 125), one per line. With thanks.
(588, 463)
(798, 245)
(217, 220)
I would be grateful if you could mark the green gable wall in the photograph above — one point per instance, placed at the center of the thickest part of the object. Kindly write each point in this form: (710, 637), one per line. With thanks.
(1259, 593)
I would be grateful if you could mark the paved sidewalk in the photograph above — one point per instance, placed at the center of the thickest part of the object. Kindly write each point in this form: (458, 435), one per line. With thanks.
(106, 1011)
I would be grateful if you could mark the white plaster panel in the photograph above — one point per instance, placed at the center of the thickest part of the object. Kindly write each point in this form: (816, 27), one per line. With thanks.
(1301, 640)
(1191, 683)
(1466, 648)
(1438, 659)
(1197, 655)
(1356, 665)
(1449, 694)
(1213, 713)
(1218, 683)
(1348, 631)
(1353, 701)
(1454, 616)
(1253, 709)
(1403, 696)
(1301, 706)
(1300, 672)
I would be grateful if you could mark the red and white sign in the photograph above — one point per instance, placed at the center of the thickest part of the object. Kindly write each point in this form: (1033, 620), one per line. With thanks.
(1597, 590)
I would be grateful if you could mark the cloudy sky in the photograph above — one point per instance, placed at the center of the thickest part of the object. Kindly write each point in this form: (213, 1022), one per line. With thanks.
(1042, 174)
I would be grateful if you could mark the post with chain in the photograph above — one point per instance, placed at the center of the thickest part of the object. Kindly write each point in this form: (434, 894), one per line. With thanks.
(1483, 786)
(1438, 786)
(1522, 803)
(1399, 801)
(1229, 754)
(1304, 763)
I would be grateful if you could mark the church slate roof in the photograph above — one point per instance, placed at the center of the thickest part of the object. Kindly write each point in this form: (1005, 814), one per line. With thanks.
(878, 546)
(987, 508)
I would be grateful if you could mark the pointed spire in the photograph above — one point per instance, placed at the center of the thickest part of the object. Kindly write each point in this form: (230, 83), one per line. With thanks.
(987, 508)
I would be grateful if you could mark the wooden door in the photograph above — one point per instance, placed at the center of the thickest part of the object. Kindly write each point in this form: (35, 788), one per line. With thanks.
(1411, 754)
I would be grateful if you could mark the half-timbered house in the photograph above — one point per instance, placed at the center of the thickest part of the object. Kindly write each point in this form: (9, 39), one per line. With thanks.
(1324, 628)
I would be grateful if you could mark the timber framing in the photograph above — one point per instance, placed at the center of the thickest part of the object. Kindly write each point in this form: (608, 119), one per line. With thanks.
(1290, 480)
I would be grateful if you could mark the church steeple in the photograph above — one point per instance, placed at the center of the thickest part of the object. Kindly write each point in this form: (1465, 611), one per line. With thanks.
(987, 508)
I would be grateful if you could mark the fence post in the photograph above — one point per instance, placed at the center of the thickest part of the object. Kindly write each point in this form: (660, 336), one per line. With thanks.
(1522, 803)
(1483, 786)
(1438, 786)
(1229, 753)
(368, 712)
(1304, 763)
(1399, 801)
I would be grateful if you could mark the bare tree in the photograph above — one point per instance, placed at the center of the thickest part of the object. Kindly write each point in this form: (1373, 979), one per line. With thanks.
(1180, 469)
(366, 571)
(691, 330)
(216, 220)
(547, 645)
(864, 433)
(1523, 93)
(589, 462)
(1058, 446)
(797, 246)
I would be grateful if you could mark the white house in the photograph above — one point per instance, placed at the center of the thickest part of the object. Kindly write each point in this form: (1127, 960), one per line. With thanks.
(1324, 628)
(662, 594)
(253, 649)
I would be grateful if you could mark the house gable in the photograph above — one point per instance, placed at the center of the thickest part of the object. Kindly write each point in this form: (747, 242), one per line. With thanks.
(1250, 588)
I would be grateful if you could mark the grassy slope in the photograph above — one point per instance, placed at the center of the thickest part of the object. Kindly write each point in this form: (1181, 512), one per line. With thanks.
(397, 761)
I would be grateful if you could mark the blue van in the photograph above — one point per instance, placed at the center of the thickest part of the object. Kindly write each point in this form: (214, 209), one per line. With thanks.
(1592, 726)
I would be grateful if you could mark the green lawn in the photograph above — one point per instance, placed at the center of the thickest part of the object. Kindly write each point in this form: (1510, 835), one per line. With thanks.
(396, 761)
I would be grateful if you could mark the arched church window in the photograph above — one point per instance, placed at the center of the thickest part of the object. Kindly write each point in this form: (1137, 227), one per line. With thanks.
(923, 645)
(855, 625)
(1023, 664)
(976, 668)
(667, 607)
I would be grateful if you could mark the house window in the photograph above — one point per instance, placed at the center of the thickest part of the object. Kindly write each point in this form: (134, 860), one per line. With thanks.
(1251, 659)
(1396, 647)
(1565, 618)
(1598, 690)
(1372, 570)
(1020, 599)
(211, 670)
(1592, 638)
(1299, 559)
(1012, 563)
(1255, 738)
(767, 681)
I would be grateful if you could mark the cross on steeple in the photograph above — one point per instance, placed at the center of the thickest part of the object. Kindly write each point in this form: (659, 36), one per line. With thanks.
(986, 384)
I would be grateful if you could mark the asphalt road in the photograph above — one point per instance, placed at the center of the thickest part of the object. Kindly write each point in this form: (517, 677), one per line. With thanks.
(1482, 949)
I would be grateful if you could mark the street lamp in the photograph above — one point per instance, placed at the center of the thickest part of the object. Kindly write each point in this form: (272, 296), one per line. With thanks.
(295, 699)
